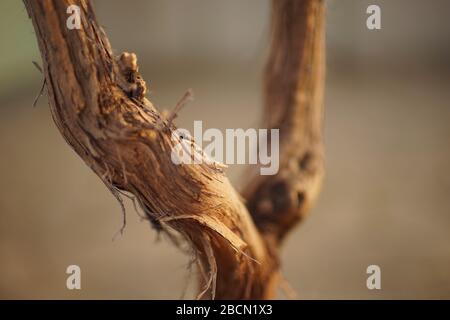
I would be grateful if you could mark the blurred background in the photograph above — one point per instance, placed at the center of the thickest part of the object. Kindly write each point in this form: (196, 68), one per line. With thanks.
(386, 196)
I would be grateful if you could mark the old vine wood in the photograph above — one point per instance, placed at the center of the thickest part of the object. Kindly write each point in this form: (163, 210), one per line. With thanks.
(98, 102)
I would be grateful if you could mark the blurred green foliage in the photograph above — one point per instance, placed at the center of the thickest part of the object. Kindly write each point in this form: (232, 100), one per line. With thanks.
(18, 48)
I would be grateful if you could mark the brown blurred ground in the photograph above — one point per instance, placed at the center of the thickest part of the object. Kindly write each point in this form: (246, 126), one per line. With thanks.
(385, 199)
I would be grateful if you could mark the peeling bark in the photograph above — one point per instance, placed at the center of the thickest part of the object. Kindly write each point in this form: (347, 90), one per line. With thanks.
(98, 102)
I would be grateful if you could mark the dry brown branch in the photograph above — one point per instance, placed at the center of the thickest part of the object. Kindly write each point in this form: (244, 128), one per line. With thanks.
(294, 83)
(98, 103)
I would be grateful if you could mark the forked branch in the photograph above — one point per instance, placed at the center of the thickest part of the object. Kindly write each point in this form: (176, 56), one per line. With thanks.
(98, 103)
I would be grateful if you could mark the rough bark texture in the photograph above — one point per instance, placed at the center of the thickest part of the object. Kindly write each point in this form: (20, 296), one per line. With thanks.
(98, 103)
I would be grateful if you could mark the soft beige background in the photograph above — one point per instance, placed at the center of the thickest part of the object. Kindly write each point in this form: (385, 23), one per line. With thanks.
(386, 195)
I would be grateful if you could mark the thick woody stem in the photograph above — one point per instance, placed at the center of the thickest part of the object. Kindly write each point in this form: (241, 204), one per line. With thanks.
(294, 83)
(98, 103)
